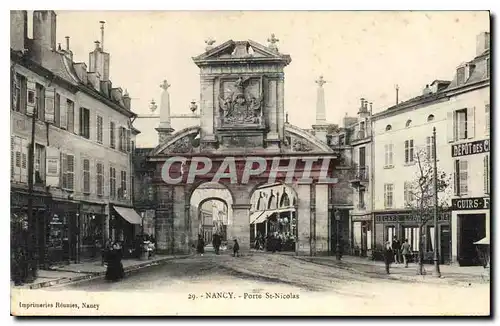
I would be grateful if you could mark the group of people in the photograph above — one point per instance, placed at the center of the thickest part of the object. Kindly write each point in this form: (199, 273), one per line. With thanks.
(216, 242)
(273, 242)
(113, 258)
(396, 252)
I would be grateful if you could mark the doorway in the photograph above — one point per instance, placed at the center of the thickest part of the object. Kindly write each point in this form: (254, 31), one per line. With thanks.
(471, 228)
(445, 252)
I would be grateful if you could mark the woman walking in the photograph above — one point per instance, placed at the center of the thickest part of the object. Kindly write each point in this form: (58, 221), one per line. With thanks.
(114, 270)
(200, 248)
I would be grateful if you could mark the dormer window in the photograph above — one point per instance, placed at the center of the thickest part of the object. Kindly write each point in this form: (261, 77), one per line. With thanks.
(388, 128)
(460, 75)
(408, 123)
(430, 118)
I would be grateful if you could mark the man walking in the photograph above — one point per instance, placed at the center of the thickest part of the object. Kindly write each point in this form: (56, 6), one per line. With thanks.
(388, 256)
(396, 246)
(216, 241)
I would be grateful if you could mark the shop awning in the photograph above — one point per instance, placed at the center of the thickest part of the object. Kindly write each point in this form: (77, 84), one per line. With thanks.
(483, 241)
(262, 217)
(128, 214)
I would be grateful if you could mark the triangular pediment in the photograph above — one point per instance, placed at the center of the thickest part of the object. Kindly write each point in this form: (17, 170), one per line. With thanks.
(240, 50)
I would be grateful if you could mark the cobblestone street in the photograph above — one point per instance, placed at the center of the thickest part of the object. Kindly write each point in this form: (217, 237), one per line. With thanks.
(347, 282)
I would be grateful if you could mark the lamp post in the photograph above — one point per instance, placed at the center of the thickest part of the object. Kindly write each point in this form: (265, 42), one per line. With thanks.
(32, 248)
(142, 222)
(337, 222)
(437, 272)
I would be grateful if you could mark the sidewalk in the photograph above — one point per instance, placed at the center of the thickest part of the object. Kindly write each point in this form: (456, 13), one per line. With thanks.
(449, 273)
(89, 270)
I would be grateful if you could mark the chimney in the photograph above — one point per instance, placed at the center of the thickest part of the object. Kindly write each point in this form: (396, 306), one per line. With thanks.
(18, 29)
(98, 59)
(363, 106)
(44, 29)
(126, 100)
(397, 94)
(482, 43)
(67, 43)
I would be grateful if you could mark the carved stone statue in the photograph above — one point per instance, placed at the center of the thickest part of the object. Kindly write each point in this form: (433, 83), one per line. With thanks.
(239, 109)
(183, 145)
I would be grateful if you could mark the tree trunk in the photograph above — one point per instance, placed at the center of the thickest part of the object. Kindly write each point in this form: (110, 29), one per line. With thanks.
(420, 266)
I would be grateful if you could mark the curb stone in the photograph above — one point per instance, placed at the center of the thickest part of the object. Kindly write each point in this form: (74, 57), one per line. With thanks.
(96, 275)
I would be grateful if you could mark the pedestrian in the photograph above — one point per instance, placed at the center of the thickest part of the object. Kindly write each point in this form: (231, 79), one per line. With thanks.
(216, 242)
(396, 246)
(388, 256)
(114, 270)
(236, 248)
(406, 251)
(200, 248)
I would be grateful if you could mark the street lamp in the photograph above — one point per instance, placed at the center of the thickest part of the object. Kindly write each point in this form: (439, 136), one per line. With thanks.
(437, 272)
(337, 249)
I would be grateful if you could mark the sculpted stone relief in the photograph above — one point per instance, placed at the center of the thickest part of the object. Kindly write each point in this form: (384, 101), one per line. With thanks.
(240, 108)
(186, 144)
(295, 144)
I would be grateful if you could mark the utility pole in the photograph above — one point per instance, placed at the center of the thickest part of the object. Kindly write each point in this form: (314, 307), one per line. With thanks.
(437, 272)
(32, 261)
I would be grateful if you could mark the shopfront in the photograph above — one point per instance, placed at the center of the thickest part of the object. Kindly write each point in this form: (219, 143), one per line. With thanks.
(92, 223)
(125, 224)
(361, 235)
(278, 223)
(472, 216)
(405, 225)
(62, 233)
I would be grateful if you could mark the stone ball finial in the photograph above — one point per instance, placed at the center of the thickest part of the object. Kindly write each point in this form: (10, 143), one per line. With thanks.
(153, 106)
(165, 85)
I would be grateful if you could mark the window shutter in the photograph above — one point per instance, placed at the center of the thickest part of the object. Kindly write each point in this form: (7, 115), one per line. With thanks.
(128, 141)
(30, 97)
(71, 171)
(456, 178)
(50, 107)
(411, 151)
(391, 154)
(64, 169)
(486, 163)
(386, 152)
(471, 123)
(487, 118)
(24, 160)
(429, 149)
(450, 126)
(407, 154)
(111, 134)
(57, 110)
(14, 91)
(86, 175)
(12, 157)
(63, 114)
(53, 167)
(70, 116)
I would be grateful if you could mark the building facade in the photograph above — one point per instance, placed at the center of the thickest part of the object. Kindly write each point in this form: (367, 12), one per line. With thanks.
(402, 143)
(82, 150)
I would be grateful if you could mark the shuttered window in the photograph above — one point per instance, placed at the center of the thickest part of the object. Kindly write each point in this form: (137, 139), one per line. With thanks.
(429, 148)
(388, 195)
(486, 162)
(100, 179)
(461, 177)
(68, 171)
(70, 115)
(86, 176)
(123, 184)
(112, 141)
(12, 157)
(40, 102)
(57, 110)
(99, 129)
(112, 182)
(409, 151)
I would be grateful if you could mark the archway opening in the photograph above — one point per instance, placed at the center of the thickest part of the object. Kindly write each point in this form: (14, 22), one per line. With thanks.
(273, 218)
(211, 214)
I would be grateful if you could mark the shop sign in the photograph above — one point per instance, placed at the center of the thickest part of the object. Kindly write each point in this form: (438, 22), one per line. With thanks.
(471, 148)
(398, 218)
(472, 203)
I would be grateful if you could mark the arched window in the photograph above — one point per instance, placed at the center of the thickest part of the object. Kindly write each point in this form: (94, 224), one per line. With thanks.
(271, 204)
(284, 201)
(388, 128)
(408, 123)
(430, 118)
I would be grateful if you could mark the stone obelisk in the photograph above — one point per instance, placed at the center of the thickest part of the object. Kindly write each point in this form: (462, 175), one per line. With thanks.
(320, 127)
(164, 129)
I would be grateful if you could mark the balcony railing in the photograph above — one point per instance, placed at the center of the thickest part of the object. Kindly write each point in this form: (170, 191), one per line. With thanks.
(359, 173)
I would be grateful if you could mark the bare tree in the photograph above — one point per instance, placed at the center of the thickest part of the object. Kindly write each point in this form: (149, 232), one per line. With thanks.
(419, 197)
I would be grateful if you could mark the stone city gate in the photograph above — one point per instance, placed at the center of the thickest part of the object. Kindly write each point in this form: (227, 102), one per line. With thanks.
(242, 119)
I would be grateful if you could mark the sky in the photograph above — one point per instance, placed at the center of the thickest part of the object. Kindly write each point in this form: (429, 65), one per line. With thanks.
(360, 54)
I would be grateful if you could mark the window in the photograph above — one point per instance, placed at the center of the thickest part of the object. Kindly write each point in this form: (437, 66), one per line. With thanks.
(112, 141)
(487, 119)
(430, 118)
(408, 193)
(128, 141)
(430, 238)
(85, 122)
(68, 171)
(388, 149)
(461, 124)
(18, 159)
(40, 102)
(39, 167)
(361, 199)
(486, 162)
(429, 148)
(70, 116)
(488, 67)
(390, 233)
(123, 185)
(100, 179)
(409, 157)
(99, 129)
(86, 176)
(388, 195)
(461, 177)
(408, 123)
(388, 128)
(120, 138)
(57, 110)
(112, 182)
(20, 93)
(412, 234)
